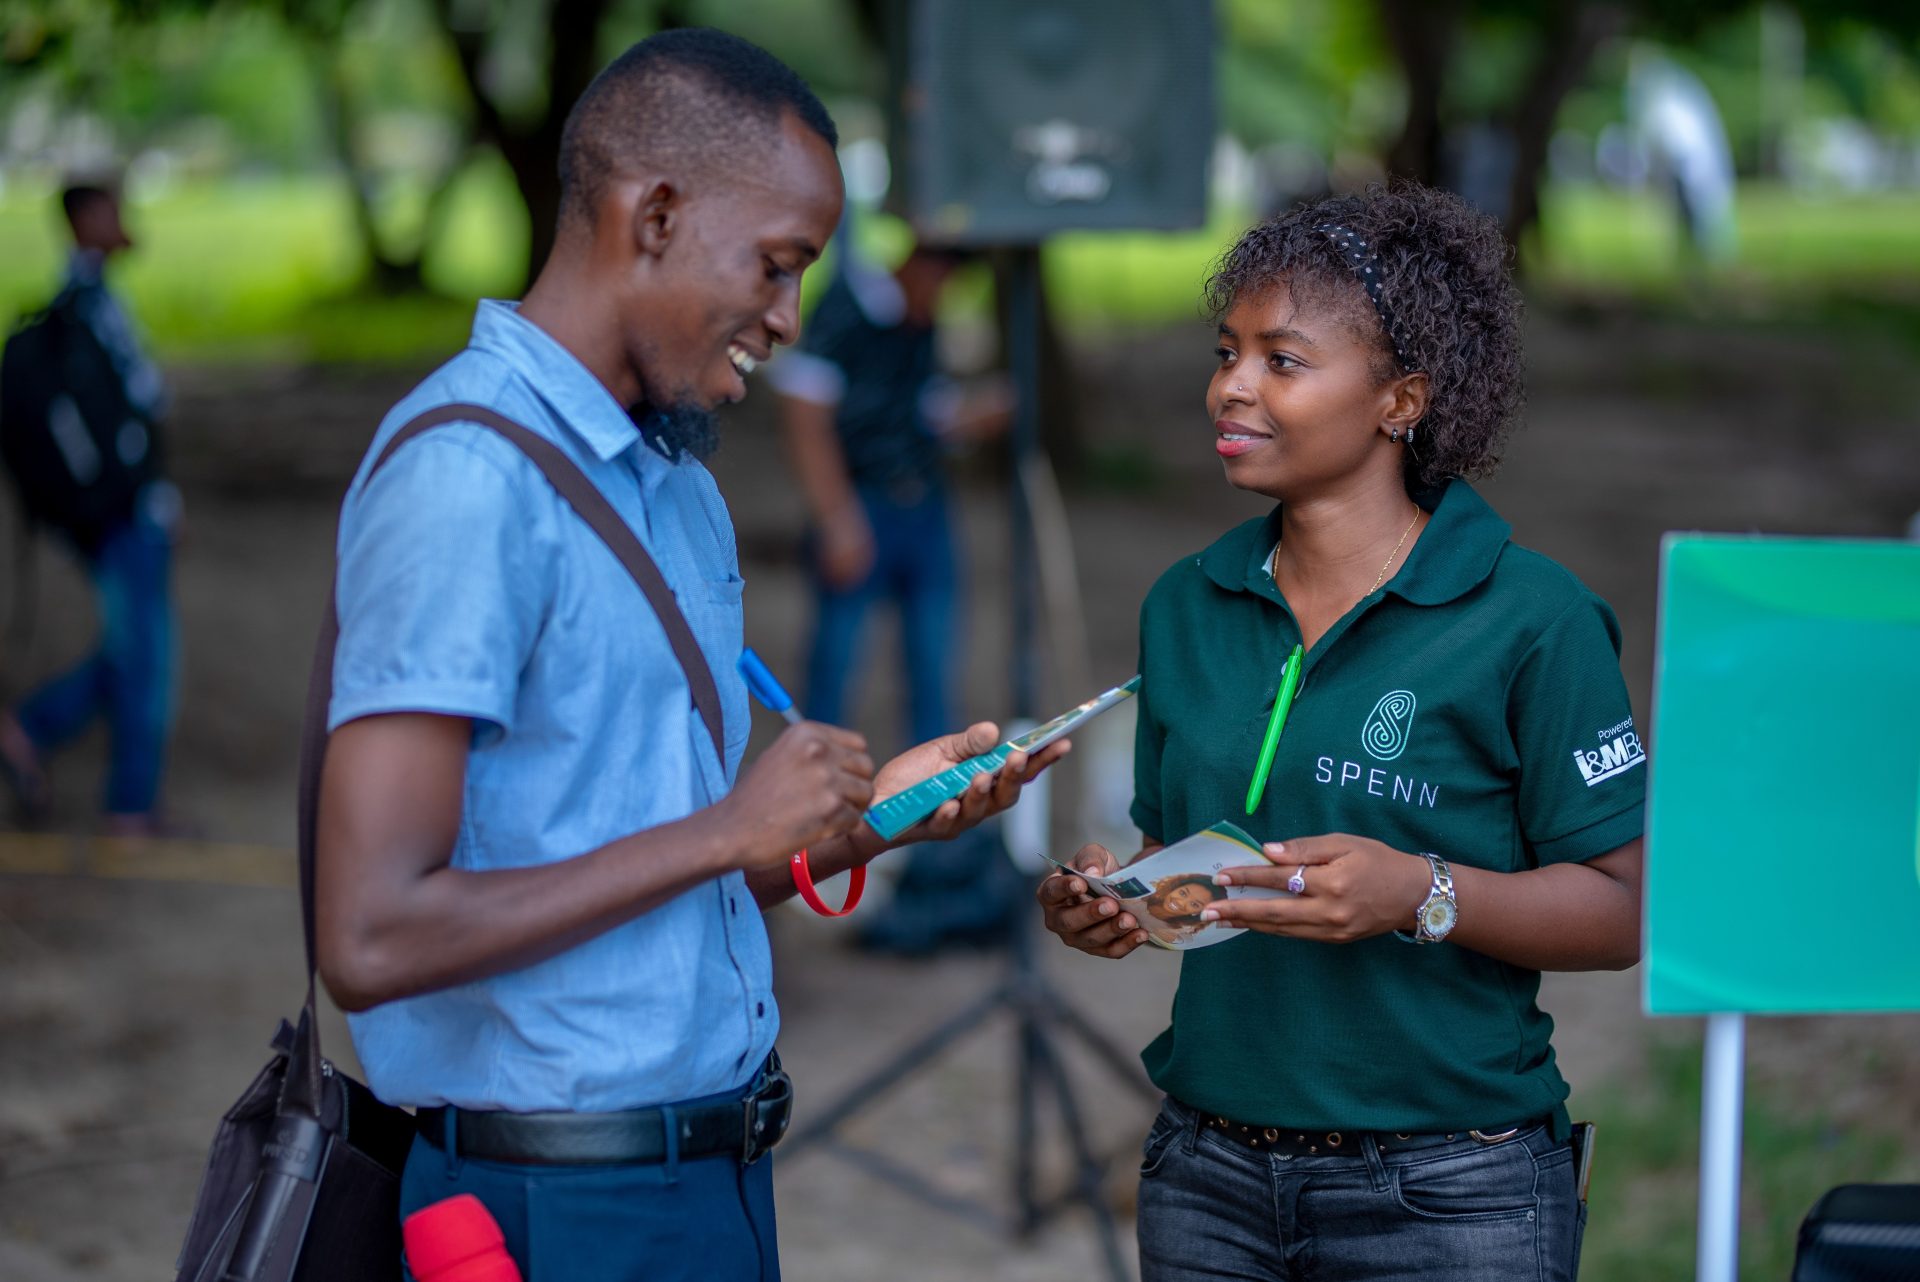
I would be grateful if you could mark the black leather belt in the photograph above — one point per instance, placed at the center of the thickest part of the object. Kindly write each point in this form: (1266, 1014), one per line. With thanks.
(1289, 1142)
(745, 1127)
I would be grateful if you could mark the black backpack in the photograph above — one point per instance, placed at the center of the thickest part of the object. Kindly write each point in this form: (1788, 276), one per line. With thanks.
(78, 449)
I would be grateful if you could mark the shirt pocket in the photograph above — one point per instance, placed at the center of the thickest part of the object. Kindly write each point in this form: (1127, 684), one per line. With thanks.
(718, 618)
(726, 592)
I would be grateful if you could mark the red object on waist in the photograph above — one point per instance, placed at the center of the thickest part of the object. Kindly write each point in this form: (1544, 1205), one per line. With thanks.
(457, 1241)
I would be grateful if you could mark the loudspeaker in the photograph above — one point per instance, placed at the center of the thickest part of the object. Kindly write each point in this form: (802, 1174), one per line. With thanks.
(1861, 1233)
(1014, 119)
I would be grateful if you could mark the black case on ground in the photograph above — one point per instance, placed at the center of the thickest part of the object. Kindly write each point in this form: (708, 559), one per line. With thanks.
(1861, 1233)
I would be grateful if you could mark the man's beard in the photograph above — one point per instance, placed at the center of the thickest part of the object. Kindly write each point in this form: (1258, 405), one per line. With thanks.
(677, 430)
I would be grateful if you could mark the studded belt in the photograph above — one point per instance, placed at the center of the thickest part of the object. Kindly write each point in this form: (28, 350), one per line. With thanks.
(1289, 1142)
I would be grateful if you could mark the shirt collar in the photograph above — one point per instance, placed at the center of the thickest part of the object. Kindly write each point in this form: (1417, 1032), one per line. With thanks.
(578, 399)
(1454, 554)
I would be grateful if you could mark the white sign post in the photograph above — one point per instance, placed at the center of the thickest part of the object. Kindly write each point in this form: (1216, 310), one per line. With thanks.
(1722, 1089)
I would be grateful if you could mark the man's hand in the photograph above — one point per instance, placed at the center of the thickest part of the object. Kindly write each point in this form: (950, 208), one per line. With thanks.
(846, 550)
(987, 794)
(1094, 924)
(813, 784)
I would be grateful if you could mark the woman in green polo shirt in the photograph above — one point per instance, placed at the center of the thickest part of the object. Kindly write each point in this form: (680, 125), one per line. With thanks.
(1362, 1086)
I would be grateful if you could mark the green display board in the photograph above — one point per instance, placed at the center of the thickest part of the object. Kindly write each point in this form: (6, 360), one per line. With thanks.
(1783, 849)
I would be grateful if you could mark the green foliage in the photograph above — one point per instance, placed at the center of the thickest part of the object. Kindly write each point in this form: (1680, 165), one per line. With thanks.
(1293, 71)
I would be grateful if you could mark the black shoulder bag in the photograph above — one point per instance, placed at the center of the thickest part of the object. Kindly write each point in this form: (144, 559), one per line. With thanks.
(303, 1180)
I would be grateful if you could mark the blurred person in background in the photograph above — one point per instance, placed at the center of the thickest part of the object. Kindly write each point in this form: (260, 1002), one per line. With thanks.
(868, 418)
(122, 520)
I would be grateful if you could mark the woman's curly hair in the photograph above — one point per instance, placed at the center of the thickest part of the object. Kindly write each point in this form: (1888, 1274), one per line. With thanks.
(1443, 267)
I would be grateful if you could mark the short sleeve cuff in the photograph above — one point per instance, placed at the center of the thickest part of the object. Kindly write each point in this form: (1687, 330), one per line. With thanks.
(1147, 819)
(443, 698)
(1595, 839)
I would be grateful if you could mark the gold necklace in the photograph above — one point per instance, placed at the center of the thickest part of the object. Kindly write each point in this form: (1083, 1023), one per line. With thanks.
(1382, 576)
(1273, 562)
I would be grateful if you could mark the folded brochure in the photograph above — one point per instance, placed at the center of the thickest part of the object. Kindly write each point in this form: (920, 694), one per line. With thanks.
(1168, 890)
(903, 810)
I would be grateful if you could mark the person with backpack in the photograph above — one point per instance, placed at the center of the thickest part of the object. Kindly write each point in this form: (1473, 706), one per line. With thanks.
(80, 410)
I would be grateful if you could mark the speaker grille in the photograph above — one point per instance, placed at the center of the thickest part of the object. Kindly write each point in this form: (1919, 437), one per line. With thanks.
(1020, 118)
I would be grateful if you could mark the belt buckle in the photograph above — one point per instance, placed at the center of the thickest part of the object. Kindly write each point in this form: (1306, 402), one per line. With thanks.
(769, 1109)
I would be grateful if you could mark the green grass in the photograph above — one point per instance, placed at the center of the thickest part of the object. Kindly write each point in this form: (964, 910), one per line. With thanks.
(271, 267)
(1645, 1188)
(1595, 238)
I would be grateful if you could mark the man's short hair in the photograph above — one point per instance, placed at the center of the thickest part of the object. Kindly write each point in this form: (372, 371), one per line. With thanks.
(680, 99)
(77, 196)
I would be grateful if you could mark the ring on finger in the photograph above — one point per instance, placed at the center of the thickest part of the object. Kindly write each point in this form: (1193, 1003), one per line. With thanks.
(1298, 882)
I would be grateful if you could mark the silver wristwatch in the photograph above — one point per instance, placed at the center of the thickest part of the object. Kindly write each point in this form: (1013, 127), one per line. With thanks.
(1439, 911)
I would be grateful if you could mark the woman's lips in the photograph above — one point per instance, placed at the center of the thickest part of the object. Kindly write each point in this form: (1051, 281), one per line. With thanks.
(1233, 439)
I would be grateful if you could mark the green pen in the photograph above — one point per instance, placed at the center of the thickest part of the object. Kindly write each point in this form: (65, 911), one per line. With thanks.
(1289, 686)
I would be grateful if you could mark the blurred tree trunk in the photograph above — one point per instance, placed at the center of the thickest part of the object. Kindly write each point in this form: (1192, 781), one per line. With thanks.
(530, 142)
(393, 272)
(1423, 36)
(1572, 34)
(1421, 33)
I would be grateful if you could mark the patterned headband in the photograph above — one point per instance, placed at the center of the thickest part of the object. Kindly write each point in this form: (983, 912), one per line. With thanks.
(1366, 268)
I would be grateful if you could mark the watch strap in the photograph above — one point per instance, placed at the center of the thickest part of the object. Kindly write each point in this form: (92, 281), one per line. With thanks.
(1439, 887)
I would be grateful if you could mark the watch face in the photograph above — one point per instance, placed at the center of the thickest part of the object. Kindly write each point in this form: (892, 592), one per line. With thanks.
(1437, 918)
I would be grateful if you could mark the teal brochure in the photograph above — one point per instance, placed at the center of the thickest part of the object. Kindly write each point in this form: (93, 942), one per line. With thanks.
(903, 810)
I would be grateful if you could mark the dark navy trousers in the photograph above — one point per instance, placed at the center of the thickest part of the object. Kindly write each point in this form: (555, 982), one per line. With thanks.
(705, 1220)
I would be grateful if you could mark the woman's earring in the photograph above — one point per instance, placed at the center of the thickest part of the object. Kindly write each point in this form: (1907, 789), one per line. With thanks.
(1409, 436)
(1394, 436)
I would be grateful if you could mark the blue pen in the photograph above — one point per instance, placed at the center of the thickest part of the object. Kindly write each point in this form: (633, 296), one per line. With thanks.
(766, 687)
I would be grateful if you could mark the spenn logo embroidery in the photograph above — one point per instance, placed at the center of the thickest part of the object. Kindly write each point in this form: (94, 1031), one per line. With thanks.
(1389, 725)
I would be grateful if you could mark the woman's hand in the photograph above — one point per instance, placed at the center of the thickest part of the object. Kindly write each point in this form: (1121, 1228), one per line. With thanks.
(1356, 888)
(1092, 923)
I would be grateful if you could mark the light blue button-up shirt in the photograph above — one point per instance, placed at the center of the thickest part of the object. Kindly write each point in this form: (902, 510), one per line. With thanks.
(468, 587)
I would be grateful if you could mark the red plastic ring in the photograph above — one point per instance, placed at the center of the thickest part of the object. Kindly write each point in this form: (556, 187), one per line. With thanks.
(803, 882)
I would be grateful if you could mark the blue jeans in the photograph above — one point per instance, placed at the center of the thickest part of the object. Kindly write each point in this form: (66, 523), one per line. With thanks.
(1211, 1208)
(914, 565)
(705, 1220)
(129, 678)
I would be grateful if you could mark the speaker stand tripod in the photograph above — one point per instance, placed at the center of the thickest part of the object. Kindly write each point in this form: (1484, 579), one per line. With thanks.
(1043, 1019)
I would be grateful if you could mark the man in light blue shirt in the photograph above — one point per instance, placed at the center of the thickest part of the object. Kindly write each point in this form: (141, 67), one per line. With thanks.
(539, 883)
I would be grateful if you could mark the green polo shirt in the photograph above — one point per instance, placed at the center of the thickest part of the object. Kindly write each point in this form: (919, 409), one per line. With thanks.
(1473, 707)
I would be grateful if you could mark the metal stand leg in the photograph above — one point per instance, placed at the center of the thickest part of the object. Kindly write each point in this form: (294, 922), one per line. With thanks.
(1042, 1018)
(1718, 1258)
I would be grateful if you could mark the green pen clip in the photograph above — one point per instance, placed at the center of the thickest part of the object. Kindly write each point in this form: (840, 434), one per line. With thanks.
(1283, 702)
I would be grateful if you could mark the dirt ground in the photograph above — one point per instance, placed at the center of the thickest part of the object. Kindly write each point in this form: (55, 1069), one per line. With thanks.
(133, 1008)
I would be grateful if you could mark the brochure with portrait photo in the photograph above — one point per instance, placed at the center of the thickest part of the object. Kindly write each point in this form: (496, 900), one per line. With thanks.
(1167, 891)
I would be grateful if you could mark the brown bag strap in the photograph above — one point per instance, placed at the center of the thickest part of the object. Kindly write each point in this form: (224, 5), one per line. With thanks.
(593, 508)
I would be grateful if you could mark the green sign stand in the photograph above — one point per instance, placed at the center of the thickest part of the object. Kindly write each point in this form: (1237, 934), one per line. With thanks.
(1783, 846)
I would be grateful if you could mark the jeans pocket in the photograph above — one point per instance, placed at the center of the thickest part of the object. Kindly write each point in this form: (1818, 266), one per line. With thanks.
(1494, 1183)
(1160, 1140)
